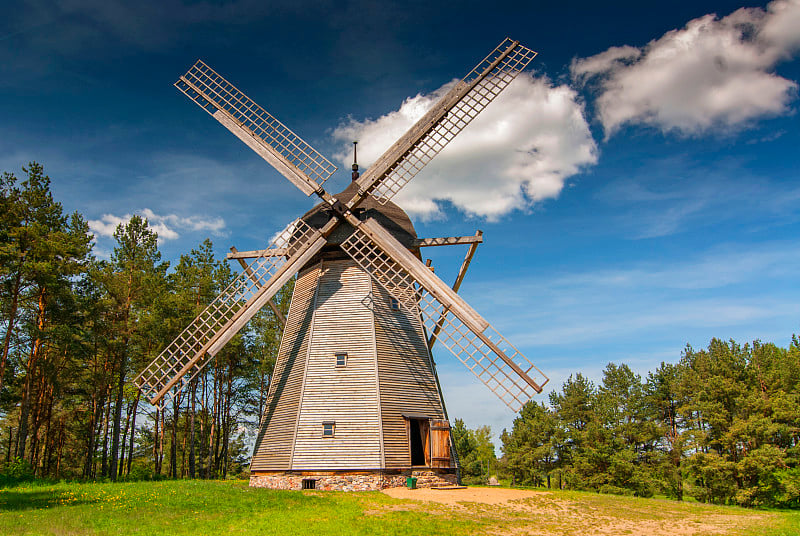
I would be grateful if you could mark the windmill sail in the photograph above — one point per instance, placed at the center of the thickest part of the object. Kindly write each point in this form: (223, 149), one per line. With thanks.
(403, 160)
(511, 375)
(480, 347)
(258, 129)
(189, 353)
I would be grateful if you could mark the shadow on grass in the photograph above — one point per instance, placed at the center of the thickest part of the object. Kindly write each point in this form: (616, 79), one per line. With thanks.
(14, 500)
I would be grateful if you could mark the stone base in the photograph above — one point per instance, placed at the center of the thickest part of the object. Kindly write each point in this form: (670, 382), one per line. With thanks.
(352, 481)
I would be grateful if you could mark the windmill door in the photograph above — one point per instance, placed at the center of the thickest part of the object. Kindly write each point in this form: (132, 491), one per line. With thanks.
(419, 441)
(440, 443)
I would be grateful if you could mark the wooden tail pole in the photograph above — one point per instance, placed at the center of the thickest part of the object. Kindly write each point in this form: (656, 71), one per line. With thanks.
(462, 272)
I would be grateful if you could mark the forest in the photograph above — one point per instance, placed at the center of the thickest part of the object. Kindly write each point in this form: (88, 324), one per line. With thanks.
(76, 330)
(720, 425)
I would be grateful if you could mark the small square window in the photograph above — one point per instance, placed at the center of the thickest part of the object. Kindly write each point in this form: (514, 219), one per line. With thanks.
(328, 429)
(395, 304)
(341, 359)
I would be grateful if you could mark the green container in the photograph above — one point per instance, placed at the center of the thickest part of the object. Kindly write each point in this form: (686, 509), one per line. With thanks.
(411, 482)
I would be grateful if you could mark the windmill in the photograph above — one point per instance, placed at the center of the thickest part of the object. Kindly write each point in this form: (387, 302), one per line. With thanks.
(354, 401)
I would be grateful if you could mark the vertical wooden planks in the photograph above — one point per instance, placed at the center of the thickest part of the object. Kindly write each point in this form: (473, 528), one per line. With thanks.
(440, 443)
(345, 395)
(275, 439)
(407, 383)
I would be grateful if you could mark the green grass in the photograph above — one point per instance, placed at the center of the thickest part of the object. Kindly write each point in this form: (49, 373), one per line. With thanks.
(203, 507)
(216, 507)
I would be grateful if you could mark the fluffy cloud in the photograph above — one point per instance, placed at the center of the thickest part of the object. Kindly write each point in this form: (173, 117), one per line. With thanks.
(714, 73)
(519, 150)
(166, 226)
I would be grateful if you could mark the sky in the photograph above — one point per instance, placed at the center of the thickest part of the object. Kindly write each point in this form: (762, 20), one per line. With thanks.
(637, 185)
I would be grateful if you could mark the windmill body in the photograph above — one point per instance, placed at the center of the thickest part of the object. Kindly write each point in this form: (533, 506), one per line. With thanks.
(354, 401)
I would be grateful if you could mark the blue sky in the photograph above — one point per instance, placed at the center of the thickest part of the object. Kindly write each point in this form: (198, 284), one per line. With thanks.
(638, 187)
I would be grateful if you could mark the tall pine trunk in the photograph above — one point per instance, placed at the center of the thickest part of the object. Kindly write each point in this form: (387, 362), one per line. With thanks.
(213, 421)
(227, 423)
(61, 439)
(123, 444)
(106, 418)
(30, 367)
(156, 468)
(191, 430)
(173, 448)
(133, 432)
(112, 471)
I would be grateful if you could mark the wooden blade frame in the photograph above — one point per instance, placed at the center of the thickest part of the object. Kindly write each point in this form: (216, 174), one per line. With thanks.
(272, 305)
(447, 241)
(491, 358)
(186, 356)
(403, 160)
(474, 342)
(295, 159)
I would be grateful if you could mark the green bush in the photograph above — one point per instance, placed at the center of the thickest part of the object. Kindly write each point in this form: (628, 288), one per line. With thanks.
(610, 489)
(16, 471)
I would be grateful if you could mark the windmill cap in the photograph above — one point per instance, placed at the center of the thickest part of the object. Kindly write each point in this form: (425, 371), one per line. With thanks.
(393, 218)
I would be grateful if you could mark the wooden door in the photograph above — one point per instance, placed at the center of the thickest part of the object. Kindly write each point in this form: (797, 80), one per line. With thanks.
(440, 443)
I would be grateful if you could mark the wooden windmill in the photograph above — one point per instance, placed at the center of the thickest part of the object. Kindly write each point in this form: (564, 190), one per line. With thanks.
(354, 401)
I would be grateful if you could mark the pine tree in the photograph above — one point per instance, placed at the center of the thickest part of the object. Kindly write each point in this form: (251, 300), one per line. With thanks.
(133, 280)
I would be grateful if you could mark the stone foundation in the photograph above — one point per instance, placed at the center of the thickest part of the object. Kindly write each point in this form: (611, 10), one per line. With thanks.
(344, 481)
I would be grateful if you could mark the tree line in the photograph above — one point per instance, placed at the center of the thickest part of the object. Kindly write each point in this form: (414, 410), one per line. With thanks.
(722, 425)
(77, 329)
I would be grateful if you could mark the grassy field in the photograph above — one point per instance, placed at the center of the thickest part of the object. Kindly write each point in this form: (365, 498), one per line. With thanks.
(215, 507)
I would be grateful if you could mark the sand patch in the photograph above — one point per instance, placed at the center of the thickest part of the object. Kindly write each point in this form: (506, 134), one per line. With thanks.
(453, 496)
(517, 512)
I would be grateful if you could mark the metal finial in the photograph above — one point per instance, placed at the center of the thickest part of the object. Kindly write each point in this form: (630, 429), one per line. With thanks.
(355, 161)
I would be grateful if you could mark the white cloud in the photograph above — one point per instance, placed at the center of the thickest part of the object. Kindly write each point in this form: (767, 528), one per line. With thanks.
(166, 226)
(192, 223)
(713, 73)
(518, 151)
(107, 224)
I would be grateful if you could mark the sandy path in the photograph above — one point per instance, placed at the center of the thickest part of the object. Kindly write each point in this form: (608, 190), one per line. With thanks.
(453, 496)
(543, 513)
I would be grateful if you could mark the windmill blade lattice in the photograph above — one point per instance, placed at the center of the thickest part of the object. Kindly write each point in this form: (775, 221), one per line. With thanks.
(481, 358)
(398, 165)
(307, 168)
(474, 342)
(188, 354)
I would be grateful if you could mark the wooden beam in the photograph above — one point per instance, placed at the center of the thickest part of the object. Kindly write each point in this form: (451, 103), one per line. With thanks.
(276, 252)
(459, 278)
(267, 152)
(448, 241)
(270, 302)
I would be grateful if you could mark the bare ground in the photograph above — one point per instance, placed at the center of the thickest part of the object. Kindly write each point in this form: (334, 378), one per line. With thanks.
(519, 512)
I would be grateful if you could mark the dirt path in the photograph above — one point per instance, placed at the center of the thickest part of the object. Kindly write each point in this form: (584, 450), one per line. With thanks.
(453, 496)
(519, 512)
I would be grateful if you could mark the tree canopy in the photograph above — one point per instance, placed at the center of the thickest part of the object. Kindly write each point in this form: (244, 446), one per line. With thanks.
(721, 425)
